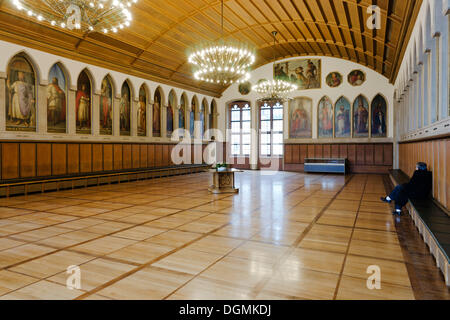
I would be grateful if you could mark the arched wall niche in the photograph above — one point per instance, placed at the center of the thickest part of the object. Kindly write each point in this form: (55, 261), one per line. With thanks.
(42, 62)
(374, 84)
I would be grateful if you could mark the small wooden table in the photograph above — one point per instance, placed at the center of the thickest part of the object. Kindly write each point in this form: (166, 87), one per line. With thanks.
(223, 181)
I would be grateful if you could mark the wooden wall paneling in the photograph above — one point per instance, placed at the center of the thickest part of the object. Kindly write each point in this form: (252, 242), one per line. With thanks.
(295, 153)
(361, 157)
(311, 151)
(97, 157)
(156, 155)
(436, 154)
(151, 155)
(388, 154)
(303, 153)
(415, 153)
(288, 154)
(73, 158)
(118, 156)
(378, 154)
(165, 152)
(360, 154)
(368, 151)
(327, 151)
(408, 155)
(27, 160)
(318, 151)
(143, 156)
(127, 156)
(171, 147)
(44, 159)
(447, 173)
(430, 154)
(59, 159)
(108, 157)
(351, 150)
(420, 149)
(442, 173)
(436, 169)
(401, 157)
(335, 151)
(343, 151)
(135, 156)
(85, 157)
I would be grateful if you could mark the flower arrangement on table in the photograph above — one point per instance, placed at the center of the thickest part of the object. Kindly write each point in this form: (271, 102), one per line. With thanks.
(221, 166)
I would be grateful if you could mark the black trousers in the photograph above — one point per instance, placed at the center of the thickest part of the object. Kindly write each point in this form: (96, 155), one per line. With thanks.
(400, 196)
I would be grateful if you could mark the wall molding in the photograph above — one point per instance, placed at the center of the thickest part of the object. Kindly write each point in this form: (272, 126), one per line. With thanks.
(436, 130)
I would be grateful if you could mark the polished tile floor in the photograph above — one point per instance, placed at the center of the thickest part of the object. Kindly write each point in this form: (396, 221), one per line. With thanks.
(285, 236)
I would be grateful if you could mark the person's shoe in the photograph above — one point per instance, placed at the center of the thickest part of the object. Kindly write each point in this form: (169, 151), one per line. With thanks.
(385, 200)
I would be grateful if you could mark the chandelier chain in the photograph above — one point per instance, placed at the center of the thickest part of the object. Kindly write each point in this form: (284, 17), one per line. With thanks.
(222, 62)
(274, 90)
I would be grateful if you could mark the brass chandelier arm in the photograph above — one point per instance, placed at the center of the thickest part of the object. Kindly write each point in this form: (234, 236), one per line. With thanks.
(222, 62)
(107, 16)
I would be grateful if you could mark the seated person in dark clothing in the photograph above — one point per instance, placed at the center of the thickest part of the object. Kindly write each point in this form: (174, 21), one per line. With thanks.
(419, 187)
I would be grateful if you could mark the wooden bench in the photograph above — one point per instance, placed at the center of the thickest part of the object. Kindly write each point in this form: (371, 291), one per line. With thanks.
(326, 165)
(46, 184)
(433, 224)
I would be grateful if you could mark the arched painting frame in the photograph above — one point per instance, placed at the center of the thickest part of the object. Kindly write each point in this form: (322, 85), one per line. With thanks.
(57, 99)
(21, 94)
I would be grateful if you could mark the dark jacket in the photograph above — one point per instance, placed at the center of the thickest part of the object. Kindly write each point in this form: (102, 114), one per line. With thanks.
(420, 185)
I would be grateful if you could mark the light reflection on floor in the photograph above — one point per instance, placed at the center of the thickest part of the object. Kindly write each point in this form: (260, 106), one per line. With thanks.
(284, 236)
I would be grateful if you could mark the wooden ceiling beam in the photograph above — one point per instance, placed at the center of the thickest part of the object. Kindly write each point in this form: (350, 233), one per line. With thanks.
(163, 31)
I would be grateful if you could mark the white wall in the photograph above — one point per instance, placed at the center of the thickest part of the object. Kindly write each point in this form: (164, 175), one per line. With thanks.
(375, 84)
(42, 62)
(422, 86)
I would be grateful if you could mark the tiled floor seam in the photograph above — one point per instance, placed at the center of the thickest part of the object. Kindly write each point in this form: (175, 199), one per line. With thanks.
(296, 243)
(211, 265)
(99, 237)
(341, 274)
(123, 276)
(97, 257)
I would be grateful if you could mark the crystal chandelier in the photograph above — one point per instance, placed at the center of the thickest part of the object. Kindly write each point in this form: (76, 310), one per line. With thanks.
(84, 15)
(271, 90)
(222, 62)
(274, 90)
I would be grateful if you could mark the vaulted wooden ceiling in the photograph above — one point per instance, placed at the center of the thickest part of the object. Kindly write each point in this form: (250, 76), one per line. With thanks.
(156, 44)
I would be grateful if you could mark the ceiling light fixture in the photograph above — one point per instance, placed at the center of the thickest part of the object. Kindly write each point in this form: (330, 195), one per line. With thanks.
(222, 62)
(275, 89)
(84, 15)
